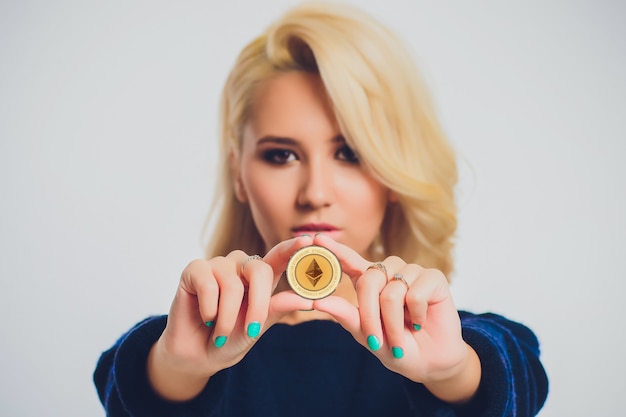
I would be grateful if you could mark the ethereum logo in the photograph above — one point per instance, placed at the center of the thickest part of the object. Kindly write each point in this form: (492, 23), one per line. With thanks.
(314, 272)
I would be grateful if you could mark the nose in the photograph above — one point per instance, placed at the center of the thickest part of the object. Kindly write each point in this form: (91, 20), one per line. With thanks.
(316, 185)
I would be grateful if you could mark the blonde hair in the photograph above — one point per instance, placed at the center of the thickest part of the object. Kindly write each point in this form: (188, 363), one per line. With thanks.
(383, 110)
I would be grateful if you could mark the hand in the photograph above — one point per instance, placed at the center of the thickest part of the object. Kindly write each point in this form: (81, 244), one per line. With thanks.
(221, 307)
(410, 324)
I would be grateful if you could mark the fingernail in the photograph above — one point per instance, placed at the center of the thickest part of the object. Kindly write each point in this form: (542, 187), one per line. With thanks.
(209, 323)
(305, 234)
(417, 327)
(373, 343)
(220, 340)
(254, 329)
(397, 352)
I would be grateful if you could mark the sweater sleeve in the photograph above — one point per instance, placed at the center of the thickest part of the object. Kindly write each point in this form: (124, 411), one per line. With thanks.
(514, 382)
(122, 383)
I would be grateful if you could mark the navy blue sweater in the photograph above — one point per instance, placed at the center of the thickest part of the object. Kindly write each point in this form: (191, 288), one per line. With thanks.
(317, 369)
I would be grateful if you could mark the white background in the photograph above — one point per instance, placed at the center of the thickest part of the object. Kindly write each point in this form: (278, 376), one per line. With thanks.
(108, 122)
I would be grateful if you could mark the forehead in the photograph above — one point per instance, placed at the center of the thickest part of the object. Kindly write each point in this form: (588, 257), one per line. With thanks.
(290, 96)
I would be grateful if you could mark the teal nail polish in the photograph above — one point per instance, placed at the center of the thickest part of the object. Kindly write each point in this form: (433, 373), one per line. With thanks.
(254, 329)
(220, 340)
(373, 343)
(209, 323)
(417, 327)
(397, 352)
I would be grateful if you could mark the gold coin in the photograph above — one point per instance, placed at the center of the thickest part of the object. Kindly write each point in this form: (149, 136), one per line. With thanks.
(313, 272)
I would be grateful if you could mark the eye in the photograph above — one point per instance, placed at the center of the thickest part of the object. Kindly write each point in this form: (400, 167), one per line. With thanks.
(345, 153)
(279, 156)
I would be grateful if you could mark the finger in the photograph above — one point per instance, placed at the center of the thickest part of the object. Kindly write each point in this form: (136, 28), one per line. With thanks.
(260, 277)
(392, 307)
(286, 302)
(244, 262)
(429, 288)
(279, 255)
(230, 299)
(352, 264)
(346, 314)
(369, 287)
(185, 320)
(198, 283)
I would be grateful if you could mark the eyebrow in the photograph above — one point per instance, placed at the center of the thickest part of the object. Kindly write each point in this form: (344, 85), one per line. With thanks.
(281, 140)
(277, 140)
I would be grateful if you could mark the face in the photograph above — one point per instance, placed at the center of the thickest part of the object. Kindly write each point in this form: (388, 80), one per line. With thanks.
(296, 171)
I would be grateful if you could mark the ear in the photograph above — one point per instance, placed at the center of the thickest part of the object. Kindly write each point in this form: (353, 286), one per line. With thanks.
(235, 171)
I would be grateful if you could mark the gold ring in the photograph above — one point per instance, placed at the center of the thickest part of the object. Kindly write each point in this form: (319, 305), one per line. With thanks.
(380, 267)
(400, 277)
(249, 258)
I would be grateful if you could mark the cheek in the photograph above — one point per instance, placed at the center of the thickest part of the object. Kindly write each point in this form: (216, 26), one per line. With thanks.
(266, 197)
(368, 198)
(367, 201)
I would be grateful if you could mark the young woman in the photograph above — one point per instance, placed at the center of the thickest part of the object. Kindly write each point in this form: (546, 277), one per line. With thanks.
(329, 140)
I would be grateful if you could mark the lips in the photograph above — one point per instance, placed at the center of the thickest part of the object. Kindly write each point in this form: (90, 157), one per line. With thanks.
(312, 228)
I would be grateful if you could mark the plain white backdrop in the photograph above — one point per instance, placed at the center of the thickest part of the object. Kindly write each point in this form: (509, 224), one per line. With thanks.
(108, 120)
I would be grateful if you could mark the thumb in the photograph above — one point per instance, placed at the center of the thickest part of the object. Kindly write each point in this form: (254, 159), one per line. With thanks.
(284, 303)
(346, 314)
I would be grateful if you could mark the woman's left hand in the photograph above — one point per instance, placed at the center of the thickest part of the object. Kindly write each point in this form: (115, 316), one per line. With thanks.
(407, 318)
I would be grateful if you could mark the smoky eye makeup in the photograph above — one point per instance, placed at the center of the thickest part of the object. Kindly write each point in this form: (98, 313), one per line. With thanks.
(276, 150)
(281, 150)
(346, 153)
(278, 156)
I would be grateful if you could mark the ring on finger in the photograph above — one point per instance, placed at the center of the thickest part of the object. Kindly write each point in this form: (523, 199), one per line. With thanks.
(380, 267)
(249, 258)
(400, 277)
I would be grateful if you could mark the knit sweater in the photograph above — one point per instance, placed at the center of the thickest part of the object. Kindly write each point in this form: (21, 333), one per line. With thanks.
(317, 369)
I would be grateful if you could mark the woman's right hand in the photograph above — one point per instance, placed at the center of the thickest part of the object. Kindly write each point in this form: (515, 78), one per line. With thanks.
(219, 311)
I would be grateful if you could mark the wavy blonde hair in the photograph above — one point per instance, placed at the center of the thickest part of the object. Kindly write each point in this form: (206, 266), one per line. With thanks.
(383, 110)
